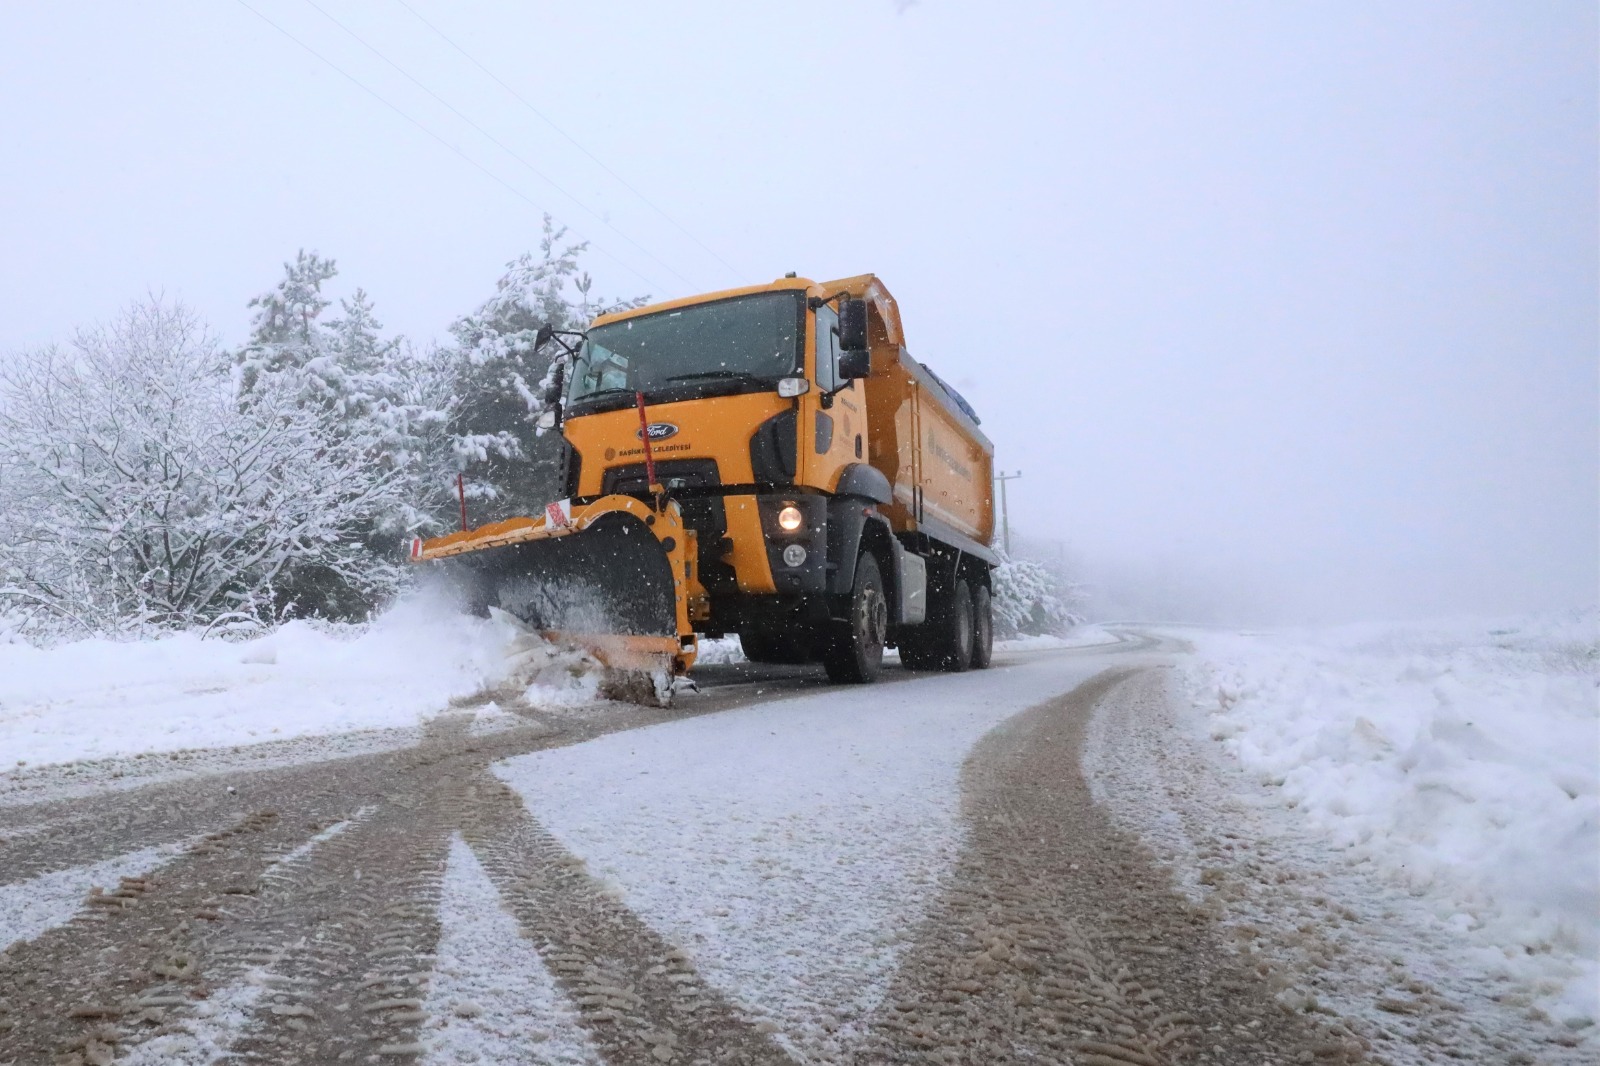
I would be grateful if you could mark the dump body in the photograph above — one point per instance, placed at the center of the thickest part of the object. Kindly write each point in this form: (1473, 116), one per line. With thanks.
(939, 463)
(781, 459)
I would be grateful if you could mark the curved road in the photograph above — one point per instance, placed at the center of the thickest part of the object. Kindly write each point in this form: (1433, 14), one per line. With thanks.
(301, 913)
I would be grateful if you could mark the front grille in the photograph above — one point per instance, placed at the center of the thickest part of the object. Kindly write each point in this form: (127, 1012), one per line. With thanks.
(694, 484)
(675, 475)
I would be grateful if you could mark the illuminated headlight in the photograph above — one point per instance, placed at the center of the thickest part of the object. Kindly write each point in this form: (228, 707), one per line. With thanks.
(794, 554)
(790, 519)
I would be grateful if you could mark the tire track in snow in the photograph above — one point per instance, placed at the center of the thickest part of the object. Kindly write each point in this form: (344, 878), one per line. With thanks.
(1058, 939)
(71, 992)
(637, 994)
(195, 1033)
(32, 907)
(491, 998)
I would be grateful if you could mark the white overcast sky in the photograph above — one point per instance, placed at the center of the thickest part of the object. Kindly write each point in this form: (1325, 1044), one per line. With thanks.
(1299, 298)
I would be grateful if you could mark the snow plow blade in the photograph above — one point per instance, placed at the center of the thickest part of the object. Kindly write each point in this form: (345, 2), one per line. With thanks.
(614, 577)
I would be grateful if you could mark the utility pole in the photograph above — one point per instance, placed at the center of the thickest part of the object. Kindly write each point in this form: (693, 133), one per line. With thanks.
(1005, 518)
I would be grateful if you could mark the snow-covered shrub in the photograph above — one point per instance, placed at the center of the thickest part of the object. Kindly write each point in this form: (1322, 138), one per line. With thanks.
(1030, 598)
(139, 489)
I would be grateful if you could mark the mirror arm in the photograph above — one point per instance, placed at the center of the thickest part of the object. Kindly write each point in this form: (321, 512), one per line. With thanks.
(557, 335)
(826, 398)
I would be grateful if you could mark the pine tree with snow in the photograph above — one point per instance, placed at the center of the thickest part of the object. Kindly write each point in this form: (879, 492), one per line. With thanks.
(286, 334)
(373, 397)
(502, 375)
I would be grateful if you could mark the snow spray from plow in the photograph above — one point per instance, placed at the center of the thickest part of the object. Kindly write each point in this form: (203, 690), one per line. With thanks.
(609, 578)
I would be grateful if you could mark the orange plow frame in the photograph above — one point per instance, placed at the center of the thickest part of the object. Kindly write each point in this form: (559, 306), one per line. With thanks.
(618, 651)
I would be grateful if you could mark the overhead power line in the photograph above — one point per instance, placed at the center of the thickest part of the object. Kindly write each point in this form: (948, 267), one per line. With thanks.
(500, 144)
(491, 175)
(570, 139)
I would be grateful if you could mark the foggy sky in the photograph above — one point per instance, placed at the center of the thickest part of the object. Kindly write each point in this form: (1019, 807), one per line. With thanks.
(1289, 309)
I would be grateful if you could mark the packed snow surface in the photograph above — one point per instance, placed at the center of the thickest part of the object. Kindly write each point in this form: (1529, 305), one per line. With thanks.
(490, 998)
(98, 698)
(1460, 761)
(792, 848)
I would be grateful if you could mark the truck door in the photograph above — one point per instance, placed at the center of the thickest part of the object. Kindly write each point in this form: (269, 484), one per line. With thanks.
(838, 431)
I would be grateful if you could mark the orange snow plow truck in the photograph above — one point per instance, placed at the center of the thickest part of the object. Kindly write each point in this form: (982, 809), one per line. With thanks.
(767, 461)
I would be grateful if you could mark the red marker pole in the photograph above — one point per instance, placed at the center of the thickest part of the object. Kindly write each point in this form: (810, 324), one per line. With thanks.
(461, 494)
(644, 435)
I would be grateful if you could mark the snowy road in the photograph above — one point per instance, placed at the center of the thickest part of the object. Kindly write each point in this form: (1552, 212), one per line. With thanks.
(775, 871)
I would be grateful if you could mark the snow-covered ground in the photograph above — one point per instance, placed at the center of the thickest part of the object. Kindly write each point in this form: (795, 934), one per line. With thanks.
(789, 848)
(94, 699)
(1081, 636)
(99, 698)
(1460, 762)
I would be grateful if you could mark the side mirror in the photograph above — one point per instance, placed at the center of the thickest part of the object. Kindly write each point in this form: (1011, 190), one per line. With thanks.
(791, 387)
(853, 364)
(543, 336)
(547, 418)
(852, 324)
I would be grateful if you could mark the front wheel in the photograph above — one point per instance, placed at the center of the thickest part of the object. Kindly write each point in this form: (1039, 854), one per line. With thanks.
(855, 647)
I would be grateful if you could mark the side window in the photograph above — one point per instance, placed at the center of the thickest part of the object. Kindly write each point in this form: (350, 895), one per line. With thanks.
(827, 346)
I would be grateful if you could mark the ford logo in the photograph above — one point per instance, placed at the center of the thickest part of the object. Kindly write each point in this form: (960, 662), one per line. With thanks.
(658, 431)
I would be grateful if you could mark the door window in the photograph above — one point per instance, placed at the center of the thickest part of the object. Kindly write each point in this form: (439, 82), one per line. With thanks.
(827, 346)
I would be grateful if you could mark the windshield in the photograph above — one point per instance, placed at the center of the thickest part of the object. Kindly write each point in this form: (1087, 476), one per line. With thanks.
(727, 346)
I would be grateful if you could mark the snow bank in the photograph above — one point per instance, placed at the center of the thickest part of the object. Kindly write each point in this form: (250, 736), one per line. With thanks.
(720, 650)
(1462, 761)
(98, 698)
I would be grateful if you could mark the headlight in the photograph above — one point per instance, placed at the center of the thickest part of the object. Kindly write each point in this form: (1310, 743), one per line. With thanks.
(794, 555)
(790, 518)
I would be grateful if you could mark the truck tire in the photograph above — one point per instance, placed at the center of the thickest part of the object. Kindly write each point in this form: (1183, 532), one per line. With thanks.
(982, 628)
(786, 648)
(955, 630)
(854, 653)
(945, 640)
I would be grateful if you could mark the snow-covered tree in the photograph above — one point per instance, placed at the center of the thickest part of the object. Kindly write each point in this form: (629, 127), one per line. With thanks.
(375, 393)
(286, 334)
(501, 376)
(1031, 598)
(138, 490)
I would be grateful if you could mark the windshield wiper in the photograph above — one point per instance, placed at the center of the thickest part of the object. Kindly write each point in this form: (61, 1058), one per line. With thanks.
(731, 375)
(614, 391)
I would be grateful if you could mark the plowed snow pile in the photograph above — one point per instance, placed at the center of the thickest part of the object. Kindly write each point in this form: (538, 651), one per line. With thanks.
(98, 698)
(1461, 762)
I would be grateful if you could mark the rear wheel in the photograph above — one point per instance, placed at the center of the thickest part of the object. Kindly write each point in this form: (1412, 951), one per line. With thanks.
(982, 628)
(945, 640)
(855, 647)
(955, 653)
